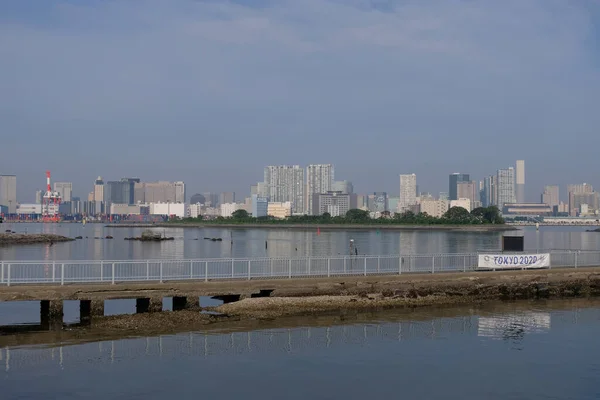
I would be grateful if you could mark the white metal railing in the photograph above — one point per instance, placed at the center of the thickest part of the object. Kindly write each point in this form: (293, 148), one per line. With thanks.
(115, 271)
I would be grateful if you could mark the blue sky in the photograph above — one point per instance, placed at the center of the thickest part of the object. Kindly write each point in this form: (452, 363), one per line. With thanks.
(212, 91)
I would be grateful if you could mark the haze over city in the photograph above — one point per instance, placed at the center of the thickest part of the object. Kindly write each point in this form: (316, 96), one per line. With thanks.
(211, 92)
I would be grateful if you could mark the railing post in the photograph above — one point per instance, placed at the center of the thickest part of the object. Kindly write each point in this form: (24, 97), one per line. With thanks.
(309, 266)
(62, 274)
(113, 274)
(576, 253)
(328, 267)
(191, 269)
(249, 264)
(365, 265)
(8, 275)
(101, 270)
(433, 264)
(271, 264)
(465, 263)
(290, 268)
(53, 271)
(160, 278)
(232, 267)
(147, 270)
(378, 264)
(205, 271)
(400, 264)
(2, 272)
(344, 264)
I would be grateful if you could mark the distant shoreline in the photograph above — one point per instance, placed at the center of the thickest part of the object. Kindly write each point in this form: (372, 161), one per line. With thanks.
(328, 227)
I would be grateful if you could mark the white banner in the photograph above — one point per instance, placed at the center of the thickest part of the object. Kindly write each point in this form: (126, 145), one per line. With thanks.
(500, 261)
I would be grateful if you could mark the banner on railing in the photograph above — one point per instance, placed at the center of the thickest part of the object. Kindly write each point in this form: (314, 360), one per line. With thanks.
(500, 261)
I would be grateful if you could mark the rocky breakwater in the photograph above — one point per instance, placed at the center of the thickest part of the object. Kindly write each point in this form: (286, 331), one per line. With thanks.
(31, 238)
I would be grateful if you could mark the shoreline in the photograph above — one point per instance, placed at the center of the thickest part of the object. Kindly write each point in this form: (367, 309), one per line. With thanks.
(327, 227)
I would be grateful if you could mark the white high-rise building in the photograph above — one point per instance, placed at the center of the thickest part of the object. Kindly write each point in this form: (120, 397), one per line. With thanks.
(8, 192)
(520, 181)
(408, 192)
(319, 179)
(286, 183)
(505, 187)
(65, 189)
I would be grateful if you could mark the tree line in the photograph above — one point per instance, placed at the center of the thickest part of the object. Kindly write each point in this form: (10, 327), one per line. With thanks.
(454, 216)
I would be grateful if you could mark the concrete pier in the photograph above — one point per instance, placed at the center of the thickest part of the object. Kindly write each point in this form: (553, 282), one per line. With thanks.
(186, 303)
(148, 304)
(51, 312)
(89, 309)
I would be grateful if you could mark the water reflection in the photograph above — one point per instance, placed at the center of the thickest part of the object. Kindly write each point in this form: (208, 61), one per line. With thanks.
(190, 243)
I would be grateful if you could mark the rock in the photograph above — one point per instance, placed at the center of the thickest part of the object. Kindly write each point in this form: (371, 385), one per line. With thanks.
(20, 238)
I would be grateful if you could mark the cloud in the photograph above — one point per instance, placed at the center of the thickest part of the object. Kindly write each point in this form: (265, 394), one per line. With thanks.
(400, 86)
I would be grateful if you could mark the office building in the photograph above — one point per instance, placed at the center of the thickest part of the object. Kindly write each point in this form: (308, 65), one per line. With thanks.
(454, 179)
(464, 203)
(227, 197)
(393, 204)
(159, 192)
(345, 187)
(65, 189)
(533, 209)
(8, 192)
(469, 190)
(39, 195)
(433, 207)
(280, 209)
(197, 199)
(550, 196)
(505, 187)
(378, 202)
(336, 204)
(582, 188)
(227, 209)
(211, 199)
(319, 179)
(583, 203)
(285, 183)
(98, 206)
(118, 192)
(520, 181)
(408, 192)
(260, 206)
(178, 210)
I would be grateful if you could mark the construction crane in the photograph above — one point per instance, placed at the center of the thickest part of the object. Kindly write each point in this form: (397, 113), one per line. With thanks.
(50, 203)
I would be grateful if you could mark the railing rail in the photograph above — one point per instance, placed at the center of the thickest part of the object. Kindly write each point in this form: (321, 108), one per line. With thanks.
(118, 271)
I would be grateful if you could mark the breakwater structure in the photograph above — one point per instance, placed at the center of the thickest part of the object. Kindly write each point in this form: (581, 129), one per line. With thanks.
(296, 285)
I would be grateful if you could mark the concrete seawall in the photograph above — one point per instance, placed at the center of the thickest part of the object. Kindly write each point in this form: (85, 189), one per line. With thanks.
(277, 298)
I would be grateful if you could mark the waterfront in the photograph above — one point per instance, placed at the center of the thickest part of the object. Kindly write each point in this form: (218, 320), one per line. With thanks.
(533, 350)
(243, 243)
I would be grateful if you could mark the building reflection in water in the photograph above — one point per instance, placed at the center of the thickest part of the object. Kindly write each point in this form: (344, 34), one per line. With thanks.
(514, 326)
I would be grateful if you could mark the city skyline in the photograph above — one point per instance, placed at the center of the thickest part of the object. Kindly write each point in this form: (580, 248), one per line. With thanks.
(373, 88)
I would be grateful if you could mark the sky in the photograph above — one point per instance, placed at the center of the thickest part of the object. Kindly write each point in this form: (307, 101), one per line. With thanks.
(210, 92)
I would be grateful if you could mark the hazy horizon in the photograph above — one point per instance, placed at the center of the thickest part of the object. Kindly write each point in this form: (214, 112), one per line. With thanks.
(210, 92)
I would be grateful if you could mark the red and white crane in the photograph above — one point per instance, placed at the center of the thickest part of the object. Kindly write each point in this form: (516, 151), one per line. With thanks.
(50, 203)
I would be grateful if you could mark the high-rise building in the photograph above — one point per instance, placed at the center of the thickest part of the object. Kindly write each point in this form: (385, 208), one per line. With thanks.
(98, 204)
(211, 199)
(285, 183)
(520, 181)
(8, 192)
(505, 179)
(260, 206)
(180, 192)
(575, 198)
(319, 179)
(197, 199)
(551, 195)
(65, 189)
(408, 192)
(227, 197)
(159, 192)
(379, 202)
(454, 179)
(468, 190)
(118, 192)
(345, 187)
(39, 194)
(336, 204)
(489, 195)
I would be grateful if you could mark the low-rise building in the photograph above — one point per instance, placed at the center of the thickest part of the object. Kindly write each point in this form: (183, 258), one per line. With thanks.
(335, 203)
(168, 209)
(433, 207)
(227, 209)
(533, 209)
(462, 202)
(260, 206)
(125, 209)
(279, 210)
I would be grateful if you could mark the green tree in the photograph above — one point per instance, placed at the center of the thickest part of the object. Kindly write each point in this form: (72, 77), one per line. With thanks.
(357, 216)
(488, 215)
(240, 215)
(458, 215)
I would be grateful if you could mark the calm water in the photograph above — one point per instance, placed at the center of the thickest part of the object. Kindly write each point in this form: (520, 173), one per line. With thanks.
(540, 350)
(280, 243)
